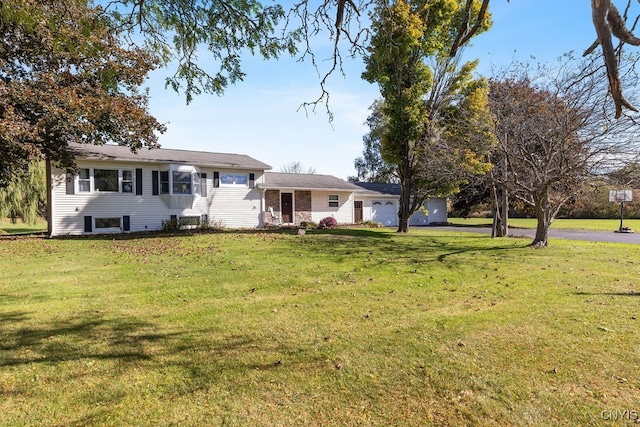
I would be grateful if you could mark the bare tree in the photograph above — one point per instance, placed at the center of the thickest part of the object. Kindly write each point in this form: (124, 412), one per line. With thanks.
(554, 133)
(608, 24)
(297, 167)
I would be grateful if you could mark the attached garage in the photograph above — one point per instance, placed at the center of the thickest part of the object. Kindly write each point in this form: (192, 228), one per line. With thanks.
(380, 203)
(384, 212)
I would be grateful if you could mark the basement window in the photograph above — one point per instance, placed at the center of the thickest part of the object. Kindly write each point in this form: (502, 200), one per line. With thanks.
(107, 223)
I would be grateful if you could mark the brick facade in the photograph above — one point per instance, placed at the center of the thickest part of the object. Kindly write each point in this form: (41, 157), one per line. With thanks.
(271, 199)
(302, 206)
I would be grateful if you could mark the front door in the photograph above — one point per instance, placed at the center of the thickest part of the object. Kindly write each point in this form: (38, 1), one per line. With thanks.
(286, 202)
(357, 211)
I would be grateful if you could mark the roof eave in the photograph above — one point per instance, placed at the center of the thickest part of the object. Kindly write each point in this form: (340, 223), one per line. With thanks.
(264, 167)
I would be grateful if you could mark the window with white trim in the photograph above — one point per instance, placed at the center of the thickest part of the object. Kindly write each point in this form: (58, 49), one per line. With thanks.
(105, 180)
(84, 181)
(234, 179)
(181, 182)
(334, 200)
(127, 181)
(107, 223)
(164, 182)
(200, 184)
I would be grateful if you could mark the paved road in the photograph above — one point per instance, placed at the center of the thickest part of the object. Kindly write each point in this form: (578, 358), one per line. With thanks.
(590, 236)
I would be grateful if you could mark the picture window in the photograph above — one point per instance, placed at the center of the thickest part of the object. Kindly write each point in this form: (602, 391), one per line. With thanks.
(232, 179)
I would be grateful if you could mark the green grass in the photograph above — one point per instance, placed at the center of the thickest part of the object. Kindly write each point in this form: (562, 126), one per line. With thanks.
(345, 327)
(567, 224)
(7, 227)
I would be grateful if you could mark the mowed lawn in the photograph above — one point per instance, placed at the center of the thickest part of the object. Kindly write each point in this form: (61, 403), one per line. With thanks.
(561, 223)
(338, 328)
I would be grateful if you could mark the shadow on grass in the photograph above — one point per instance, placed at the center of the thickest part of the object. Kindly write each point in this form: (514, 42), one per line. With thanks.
(386, 246)
(356, 232)
(83, 337)
(610, 294)
(126, 339)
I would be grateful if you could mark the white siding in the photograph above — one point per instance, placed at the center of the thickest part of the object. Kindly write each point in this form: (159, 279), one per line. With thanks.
(232, 207)
(437, 208)
(69, 210)
(320, 206)
(437, 212)
(367, 207)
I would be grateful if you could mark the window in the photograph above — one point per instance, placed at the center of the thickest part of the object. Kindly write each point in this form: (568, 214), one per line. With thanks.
(105, 180)
(201, 184)
(127, 181)
(230, 179)
(84, 180)
(164, 182)
(181, 182)
(107, 223)
(333, 200)
(189, 221)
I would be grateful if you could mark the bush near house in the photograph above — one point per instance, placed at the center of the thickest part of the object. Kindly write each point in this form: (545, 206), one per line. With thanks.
(328, 222)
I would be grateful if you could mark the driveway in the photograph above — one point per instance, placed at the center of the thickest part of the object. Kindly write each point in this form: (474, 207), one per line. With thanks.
(590, 236)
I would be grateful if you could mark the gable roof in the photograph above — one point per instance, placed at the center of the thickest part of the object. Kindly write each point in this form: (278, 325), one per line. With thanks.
(299, 181)
(164, 155)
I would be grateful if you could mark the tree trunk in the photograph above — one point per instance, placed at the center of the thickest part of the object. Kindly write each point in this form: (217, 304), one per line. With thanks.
(406, 176)
(504, 200)
(542, 229)
(504, 205)
(404, 208)
(500, 212)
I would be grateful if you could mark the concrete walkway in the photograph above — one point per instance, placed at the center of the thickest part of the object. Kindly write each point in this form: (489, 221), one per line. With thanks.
(590, 236)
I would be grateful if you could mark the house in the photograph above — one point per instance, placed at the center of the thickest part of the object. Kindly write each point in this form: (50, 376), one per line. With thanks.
(116, 190)
(379, 203)
(295, 198)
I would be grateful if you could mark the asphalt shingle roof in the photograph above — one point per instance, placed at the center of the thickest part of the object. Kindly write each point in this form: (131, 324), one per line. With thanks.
(277, 180)
(164, 155)
(383, 188)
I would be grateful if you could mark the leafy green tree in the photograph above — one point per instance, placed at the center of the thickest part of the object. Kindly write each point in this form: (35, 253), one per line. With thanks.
(437, 127)
(178, 31)
(65, 76)
(25, 197)
(371, 167)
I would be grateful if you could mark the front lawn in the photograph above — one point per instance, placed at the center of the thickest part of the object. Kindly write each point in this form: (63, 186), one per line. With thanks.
(331, 328)
(566, 224)
(19, 227)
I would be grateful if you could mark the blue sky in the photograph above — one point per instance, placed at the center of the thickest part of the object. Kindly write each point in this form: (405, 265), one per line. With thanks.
(260, 116)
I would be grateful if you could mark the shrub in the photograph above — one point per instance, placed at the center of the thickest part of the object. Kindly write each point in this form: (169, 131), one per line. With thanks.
(170, 225)
(328, 222)
(213, 225)
(371, 224)
(308, 224)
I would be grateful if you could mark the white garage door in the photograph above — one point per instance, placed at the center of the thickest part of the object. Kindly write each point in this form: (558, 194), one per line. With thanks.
(384, 212)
